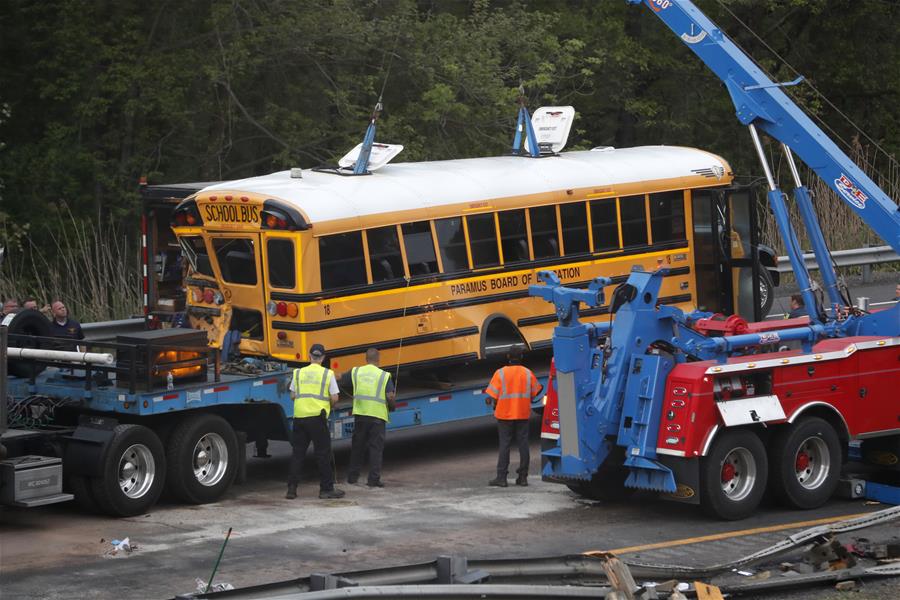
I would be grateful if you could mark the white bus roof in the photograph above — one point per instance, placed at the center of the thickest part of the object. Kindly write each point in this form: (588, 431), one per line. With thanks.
(324, 196)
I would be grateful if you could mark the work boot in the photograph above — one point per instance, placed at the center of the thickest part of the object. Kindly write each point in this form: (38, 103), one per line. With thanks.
(291, 493)
(498, 482)
(329, 494)
(375, 484)
(522, 480)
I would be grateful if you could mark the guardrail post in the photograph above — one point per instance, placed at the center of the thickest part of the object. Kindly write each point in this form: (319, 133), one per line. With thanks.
(867, 269)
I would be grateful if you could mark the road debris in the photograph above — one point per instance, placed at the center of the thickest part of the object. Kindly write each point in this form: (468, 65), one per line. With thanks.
(120, 548)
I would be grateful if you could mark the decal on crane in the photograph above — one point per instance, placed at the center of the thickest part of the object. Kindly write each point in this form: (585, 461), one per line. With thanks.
(848, 190)
(692, 37)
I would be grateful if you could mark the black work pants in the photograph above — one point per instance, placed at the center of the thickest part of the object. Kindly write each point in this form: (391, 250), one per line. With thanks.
(508, 430)
(368, 438)
(315, 430)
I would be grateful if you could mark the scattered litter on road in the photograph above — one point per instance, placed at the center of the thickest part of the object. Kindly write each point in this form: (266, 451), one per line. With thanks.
(120, 548)
(202, 587)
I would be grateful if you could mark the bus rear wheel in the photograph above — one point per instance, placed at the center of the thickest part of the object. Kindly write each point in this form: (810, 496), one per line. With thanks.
(806, 463)
(203, 459)
(733, 475)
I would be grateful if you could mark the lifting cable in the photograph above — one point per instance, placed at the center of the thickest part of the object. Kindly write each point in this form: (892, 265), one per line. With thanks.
(818, 93)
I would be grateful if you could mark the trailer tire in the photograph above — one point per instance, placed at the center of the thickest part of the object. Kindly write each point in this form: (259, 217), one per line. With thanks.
(203, 459)
(733, 475)
(80, 486)
(806, 463)
(133, 472)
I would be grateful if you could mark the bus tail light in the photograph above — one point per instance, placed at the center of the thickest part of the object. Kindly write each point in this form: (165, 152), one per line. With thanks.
(292, 310)
(282, 335)
(281, 307)
(196, 295)
(271, 308)
(281, 216)
(208, 295)
(186, 215)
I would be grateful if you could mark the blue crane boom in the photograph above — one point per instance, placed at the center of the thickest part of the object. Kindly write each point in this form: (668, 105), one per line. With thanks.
(761, 104)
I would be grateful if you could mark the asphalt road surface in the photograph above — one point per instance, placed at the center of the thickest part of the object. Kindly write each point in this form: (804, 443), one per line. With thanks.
(436, 501)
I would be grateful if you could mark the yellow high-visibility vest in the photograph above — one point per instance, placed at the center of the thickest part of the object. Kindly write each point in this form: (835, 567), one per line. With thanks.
(311, 387)
(369, 397)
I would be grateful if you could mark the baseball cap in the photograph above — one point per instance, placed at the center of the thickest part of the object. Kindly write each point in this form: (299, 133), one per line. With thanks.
(317, 350)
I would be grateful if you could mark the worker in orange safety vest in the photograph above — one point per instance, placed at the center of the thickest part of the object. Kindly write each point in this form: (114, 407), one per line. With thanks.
(511, 392)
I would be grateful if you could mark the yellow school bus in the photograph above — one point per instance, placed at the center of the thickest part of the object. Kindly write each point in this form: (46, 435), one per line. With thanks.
(430, 261)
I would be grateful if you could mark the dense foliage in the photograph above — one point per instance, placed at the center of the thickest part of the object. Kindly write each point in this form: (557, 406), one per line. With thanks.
(95, 95)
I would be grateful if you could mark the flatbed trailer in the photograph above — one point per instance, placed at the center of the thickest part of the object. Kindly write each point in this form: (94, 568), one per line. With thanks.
(116, 436)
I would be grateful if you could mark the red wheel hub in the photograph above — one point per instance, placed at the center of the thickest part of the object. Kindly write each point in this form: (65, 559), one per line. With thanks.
(727, 472)
(802, 461)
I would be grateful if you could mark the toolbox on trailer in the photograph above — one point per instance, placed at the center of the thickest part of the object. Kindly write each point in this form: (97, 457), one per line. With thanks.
(31, 481)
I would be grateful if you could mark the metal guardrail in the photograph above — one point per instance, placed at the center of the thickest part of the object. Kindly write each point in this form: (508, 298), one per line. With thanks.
(846, 258)
(103, 330)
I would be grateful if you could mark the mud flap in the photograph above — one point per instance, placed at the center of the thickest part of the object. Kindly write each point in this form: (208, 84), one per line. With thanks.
(86, 447)
(687, 478)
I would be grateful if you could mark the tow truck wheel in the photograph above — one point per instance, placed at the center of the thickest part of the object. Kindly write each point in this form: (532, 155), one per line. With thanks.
(733, 475)
(806, 463)
(134, 470)
(202, 459)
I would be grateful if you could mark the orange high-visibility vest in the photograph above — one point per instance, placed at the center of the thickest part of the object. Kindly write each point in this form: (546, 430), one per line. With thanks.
(513, 387)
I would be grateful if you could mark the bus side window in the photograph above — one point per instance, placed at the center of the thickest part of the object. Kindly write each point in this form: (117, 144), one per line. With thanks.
(634, 221)
(452, 242)
(605, 225)
(544, 235)
(483, 240)
(513, 236)
(667, 216)
(280, 258)
(237, 260)
(419, 246)
(384, 253)
(574, 228)
(341, 260)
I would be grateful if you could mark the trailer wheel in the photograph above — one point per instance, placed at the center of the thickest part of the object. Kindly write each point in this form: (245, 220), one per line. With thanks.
(806, 463)
(134, 471)
(80, 486)
(202, 458)
(733, 475)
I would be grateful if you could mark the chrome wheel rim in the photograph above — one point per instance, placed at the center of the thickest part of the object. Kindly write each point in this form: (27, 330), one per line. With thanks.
(763, 292)
(137, 469)
(812, 463)
(738, 474)
(210, 459)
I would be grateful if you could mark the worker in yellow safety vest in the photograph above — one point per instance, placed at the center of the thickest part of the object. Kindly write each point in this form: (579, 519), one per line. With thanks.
(314, 391)
(511, 391)
(373, 398)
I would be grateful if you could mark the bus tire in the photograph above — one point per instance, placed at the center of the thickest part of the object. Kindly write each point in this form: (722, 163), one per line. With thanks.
(133, 472)
(203, 459)
(806, 463)
(766, 292)
(733, 475)
(28, 322)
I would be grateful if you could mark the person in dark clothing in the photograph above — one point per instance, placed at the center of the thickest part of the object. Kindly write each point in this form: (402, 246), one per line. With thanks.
(63, 326)
(798, 307)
